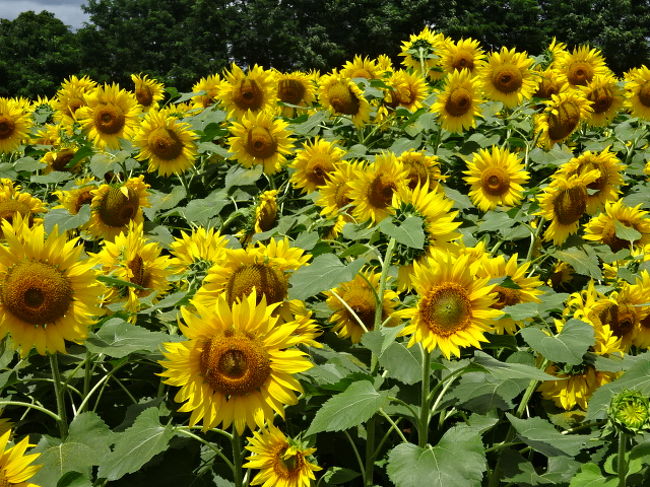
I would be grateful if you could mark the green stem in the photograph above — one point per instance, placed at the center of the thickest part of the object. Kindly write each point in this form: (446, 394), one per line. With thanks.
(370, 451)
(51, 414)
(423, 428)
(88, 374)
(534, 238)
(216, 450)
(60, 399)
(355, 450)
(621, 463)
(379, 308)
(237, 459)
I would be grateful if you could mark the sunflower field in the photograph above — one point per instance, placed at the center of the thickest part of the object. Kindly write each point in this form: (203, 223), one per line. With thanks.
(435, 273)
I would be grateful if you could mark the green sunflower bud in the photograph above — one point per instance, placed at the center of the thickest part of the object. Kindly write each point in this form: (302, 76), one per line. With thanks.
(629, 411)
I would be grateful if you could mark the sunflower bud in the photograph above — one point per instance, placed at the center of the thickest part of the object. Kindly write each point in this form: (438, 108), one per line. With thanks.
(629, 411)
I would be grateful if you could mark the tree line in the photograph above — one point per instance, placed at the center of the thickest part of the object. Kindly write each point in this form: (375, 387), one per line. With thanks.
(179, 41)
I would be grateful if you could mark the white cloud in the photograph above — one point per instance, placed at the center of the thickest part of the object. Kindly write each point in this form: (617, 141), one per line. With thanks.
(68, 11)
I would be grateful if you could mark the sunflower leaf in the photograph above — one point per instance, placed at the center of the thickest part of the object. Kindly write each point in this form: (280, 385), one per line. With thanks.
(584, 261)
(118, 338)
(591, 476)
(567, 347)
(626, 233)
(409, 232)
(542, 436)
(64, 219)
(324, 273)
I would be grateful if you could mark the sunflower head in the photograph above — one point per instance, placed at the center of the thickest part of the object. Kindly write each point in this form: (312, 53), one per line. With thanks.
(562, 116)
(253, 91)
(581, 65)
(148, 92)
(341, 96)
(314, 163)
(629, 411)
(464, 54)
(457, 105)
(14, 124)
(507, 77)
(637, 92)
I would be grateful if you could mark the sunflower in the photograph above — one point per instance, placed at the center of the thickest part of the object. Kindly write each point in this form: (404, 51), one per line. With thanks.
(81, 194)
(561, 116)
(132, 258)
(196, 251)
(169, 145)
(113, 207)
(14, 125)
(14, 202)
(211, 85)
(264, 215)
(581, 65)
(354, 305)
(378, 188)
(148, 92)
(385, 64)
(111, 114)
(296, 89)
(341, 96)
(361, 68)
(422, 168)
(48, 294)
(335, 194)
(454, 308)
(259, 139)
(495, 178)
(550, 83)
(422, 53)
(457, 105)
(641, 336)
(408, 90)
(237, 365)
(607, 98)
(575, 387)
(526, 292)
(281, 461)
(254, 91)
(603, 227)
(561, 276)
(59, 158)
(637, 92)
(464, 54)
(604, 189)
(555, 51)
(507, 77)
(15, 468)
(70, 97)
(313, 164)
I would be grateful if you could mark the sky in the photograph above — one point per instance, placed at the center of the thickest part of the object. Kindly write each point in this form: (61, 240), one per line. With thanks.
(68, 11)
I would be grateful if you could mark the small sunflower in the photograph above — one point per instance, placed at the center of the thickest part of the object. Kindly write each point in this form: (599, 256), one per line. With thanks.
(111, 114)
(253, 91)
(361, 68)
(354, 305)
(422, 168)
(341, 96)
(603, 227)
(561, 276)
(378, 189)
(281, 461)
(80, 194)
(148, 92)
(607, 98)
(637, 92)
(14, 202)
(211, 85)
(70, 97)
(15, 468)
(457, 105)
(60, 157)
(266, 211)
(641, 336)
(495, 178)
(507, 77)
(561, 116)
(259, 139)
(575, 387)
(237, 365)
(113, 207)
(555, 51)
(313, 164)
(581, 65)
(464, 54)
(201, 249)
(14, 125)
(296, 88)
(422, 53)
(408, 90)
(48, 293)
(335, 194)
(169, 145)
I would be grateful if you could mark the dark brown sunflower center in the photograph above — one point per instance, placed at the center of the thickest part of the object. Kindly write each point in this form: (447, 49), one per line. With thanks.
(547, 88)
(144, 95)
(506, 297)
(7, 127)
(9, 208)
(459, 102)
(249, 96)
(602, 99)
(291, 91)
(620, 321)
(362, 302)
(570, 204)
(138, 271)
(343, 100)
(75, 104)
(644, 94)
(109, 119)
(341, 198)
(116, 209)
(83, 198)
(495, 181)
(318, 173)
(561, 125)
(62, 158)
(36, 292)
(462, 60)
(380, 192)
(165, 144)
(267, 215)
(288, 467)
(266, 280)
(446, 309)
(580, 73)
(260, 143)
(507, 79)
(234, 365)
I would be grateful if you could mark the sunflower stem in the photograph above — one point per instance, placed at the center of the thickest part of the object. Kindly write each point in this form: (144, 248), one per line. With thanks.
(621, 464)
(423, 428)
(236, 459)
(60, 399)
(382, 283)
(370, 451)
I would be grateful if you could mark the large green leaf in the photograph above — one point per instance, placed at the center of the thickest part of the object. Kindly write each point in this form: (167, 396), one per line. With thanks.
(542, 436)
(568, 346)
(409, 232)
(402, 363)
(324, 273)
(118, 338)
(64, 220)
(591, 476)
(458, 460)
(584, 260)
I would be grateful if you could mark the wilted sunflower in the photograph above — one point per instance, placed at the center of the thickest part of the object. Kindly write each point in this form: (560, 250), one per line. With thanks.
(266, 211)
(422, 168)
(169, 145)
(48, 293)
(454, 308)
(354, 305)
(495, 178)
(254, 90)
(604, 228)
(148, 92)
(637, 92)
(335, 193)
(378, 188)
(341, 96)
(15, 123)
(113, 207)
(507, 77)
(464, 54)
(581, 65)
(281, 461)
(237, 366)
(457, 105)
(313, 164)
(296, 88)
(14, 202)
(422, 53)
(15, 468)
(111, 114)
(408, 90)
(607, 98)
(261, 139)
(562, 116)
(70, 97)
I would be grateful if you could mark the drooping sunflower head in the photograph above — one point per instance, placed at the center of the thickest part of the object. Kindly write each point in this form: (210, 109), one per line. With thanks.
(261, 139)
(168, 145)
(314, 163)
(59, 159)
(422, 168)
(296, 88)
(341, 96)
(458, 104)
(15, 123)
(606, 227)
(637, 92)
(581, 65)
(550, 83)
(495, 178)
(266, 211)
(253, 91)
(606, 97)
(507, 77)
(148, 92)
(335, 194)
(464, 54)
(14, 203)
(562, 116)
(408, 90)
(574, 386)
(422, 53)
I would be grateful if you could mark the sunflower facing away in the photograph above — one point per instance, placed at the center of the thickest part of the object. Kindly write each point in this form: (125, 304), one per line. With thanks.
(281, 461)
(361, 68)
(48, 293)
(14, 124)
(422, 53)
(495, 178)
(254, 90)
(313, 164)
(15, 468)
(341, 96)
(148, 92)
(237, 366)
(507, 77)
(457, 105)
(561, 116)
